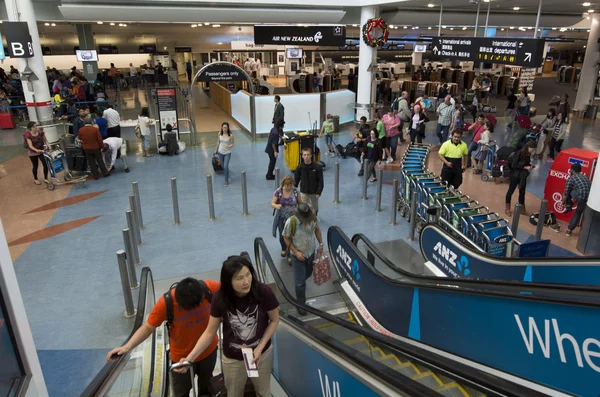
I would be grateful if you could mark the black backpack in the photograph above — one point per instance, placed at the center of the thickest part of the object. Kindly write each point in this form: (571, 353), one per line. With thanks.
(206, 293)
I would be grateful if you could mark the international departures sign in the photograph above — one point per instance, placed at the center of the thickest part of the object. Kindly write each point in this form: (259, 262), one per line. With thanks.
(509, 51)
(321, 35)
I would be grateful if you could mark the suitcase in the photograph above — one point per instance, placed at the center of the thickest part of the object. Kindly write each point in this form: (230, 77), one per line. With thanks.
(216, 386)
(340, 150)
(524, 121)
(491, 118)
(216, 163)
(6, 121)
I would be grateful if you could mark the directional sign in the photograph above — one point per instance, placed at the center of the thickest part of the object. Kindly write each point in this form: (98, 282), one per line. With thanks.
(508, 51)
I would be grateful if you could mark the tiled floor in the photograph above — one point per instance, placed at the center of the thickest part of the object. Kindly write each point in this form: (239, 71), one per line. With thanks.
(68, 265)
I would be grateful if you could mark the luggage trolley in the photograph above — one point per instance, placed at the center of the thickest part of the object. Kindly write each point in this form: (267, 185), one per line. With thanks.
(489, 162)
(54, 160)
(469, 220)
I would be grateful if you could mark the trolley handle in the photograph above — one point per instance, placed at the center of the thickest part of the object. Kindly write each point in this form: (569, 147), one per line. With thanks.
(185, 364)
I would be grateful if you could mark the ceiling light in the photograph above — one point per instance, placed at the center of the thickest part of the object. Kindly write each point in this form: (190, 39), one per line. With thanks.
(206, 23)
(405, 27)
(219, 43)
(587, 4)
(430, 5)
(416, 27)
(429, 28)
(584, 46)
(451, 28)
(553, 28)
(194, 26)
(588, 31)
(99, 22)
(47, 24)
(486, 1)
(464, 28)
(53, 24)
(512, 27)
(355, 25)
(391, 26)
(502, 29)
(165, 48)
(216, 26)
(591, 11)
(112, 24)
(443, 26)
(516, 8)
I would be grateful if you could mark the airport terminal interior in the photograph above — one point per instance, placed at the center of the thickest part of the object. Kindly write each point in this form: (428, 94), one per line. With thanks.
(404, 190)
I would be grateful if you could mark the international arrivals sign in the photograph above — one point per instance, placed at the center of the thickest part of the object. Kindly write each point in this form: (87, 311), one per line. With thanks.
(508, 51)
(316, 35)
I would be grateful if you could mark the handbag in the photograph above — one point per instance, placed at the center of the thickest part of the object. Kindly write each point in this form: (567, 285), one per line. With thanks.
(138, 131)
(321, 269)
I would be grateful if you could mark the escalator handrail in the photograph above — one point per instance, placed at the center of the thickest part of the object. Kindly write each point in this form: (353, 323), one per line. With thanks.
(587, 290)
(109, 372)
(451, 368)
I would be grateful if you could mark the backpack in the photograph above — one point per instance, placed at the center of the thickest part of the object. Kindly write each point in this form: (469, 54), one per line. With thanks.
(206, 293)
(549, 221)
(510, 159)
(293, 223)
(26, 135)
(315, 81)
(280, 195)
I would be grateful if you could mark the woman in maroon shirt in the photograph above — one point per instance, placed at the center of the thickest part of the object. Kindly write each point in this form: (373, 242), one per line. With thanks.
(36, 140)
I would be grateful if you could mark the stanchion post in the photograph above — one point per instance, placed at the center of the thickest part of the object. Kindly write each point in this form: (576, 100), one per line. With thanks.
(277, 178)
(379, 187)
(176, 219)
(541, 220)
(365, 168)
(336, 183)
(136, 231)
(244, 195)
(413, 216)
(514, 227)
(130, 259)
(394, 203)
(211, 199)
(134, 248)
(129, 309)
(138, 204)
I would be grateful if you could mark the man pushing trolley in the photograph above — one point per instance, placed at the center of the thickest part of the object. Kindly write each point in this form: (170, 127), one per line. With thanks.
(114, 148)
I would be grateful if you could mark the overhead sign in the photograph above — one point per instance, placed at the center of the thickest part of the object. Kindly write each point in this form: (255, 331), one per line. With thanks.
(147, 48)
(222, 71)
(509, 51)
(250, 45)
(20, 44)
(183, 49)
(319, 35)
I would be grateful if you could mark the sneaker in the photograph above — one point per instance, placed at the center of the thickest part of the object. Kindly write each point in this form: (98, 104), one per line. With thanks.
(550, 160)
(568, 209)
(283, 254)
(568, 233)
(301, 312)
(226, 183)
(390, 160)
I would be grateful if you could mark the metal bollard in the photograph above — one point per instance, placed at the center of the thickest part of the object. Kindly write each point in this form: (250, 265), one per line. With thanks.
(379, 187)
(211, 199)
(129, 309)
(336, 183)
(413, 216)
(277, 178)
(137, 233)
(244, 195)
(394, 203)
(514, 227)
(176, 219)
(138, 204)
(130, 260)
(541, 220)
(130, 228)
(365, 167)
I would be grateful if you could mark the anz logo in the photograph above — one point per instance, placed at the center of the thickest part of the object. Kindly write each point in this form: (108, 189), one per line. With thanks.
(329, 389)
(350, 266)
(355, 272)
(446, 253)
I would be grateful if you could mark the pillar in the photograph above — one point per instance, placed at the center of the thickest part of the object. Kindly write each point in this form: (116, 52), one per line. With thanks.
(86, 42)
(37, 94)
(590, 227)
(366, 57)
(589, 71)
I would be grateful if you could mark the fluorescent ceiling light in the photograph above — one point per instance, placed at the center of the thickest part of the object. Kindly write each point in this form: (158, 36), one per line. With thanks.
(194, 26)
(429, 28)
(391, 26)
(443, 26)
(591, 11)
(553, 28)
(464, 28)
(430, 5)
(587, 4)
(112, 24)
(53, 24)
(502, 29)
(47, 24)
(216, 26)
(416, 27)
(486, 1)
(356, 25)
(99, 22)
(206, 23)
(219, 43)
(512, 27)
(516, 8)
(405, 27)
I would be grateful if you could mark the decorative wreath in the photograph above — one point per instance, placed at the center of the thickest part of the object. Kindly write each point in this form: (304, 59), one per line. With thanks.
(368, 30)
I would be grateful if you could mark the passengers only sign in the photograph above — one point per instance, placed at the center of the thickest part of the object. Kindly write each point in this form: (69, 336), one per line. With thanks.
(221, 71)
(508, 51)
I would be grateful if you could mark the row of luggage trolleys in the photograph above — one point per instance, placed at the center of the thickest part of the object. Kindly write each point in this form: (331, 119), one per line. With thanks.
(454, 211)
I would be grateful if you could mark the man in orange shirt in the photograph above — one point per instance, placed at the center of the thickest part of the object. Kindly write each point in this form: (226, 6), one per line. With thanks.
(191, 311)
(92, 144)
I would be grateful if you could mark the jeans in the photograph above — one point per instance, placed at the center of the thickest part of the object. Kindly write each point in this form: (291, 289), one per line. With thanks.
(272, 162)
(395, 95)
(581, 204)
(442, 132)
(415, 135)
(554, 145)
(329, 139)
(302, 272)
(371, 168)
(182, 383)
(224, 159)
(146, 142)
(34, 163)
(472, 147)
(392, 144)
(517, 180)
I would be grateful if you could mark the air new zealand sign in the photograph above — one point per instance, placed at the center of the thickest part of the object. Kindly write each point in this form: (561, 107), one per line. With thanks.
(321, 35)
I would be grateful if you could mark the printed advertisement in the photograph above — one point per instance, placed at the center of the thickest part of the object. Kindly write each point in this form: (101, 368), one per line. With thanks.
(166, 99)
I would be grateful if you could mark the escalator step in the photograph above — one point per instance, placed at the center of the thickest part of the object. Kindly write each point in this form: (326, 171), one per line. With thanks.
(407, 369)
(453, 389)
(428, 379)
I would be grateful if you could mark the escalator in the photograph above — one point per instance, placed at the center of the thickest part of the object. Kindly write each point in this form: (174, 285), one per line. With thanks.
(533, 331)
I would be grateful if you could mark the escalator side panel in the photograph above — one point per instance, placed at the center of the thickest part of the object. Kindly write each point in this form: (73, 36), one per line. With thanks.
(524, 337)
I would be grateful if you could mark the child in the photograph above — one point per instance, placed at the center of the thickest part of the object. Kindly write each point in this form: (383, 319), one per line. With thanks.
(327, 128)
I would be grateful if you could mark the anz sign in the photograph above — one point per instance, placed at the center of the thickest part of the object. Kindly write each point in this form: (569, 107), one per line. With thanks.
(444, 256)
(350, 266)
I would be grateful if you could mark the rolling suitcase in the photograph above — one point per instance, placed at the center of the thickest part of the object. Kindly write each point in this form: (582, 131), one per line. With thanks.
(216, 386)
(216, 163)
(524, 121)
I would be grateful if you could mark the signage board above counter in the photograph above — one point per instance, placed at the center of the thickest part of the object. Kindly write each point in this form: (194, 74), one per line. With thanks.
(316, 35)
(507, 51)
(251, 46)
(183, 49)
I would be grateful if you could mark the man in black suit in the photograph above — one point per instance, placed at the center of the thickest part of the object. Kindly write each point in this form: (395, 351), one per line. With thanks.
(279, 113)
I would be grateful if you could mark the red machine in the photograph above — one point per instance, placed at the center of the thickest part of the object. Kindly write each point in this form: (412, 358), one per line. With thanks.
(560, 172)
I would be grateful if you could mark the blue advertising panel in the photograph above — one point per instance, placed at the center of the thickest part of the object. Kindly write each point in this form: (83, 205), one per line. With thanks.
(534, 249)
(458, 261)
(303, 371)
(554, 344)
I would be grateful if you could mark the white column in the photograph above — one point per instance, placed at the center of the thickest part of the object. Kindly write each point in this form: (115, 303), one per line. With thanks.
(37, 94)
(366, 57)
(589, 71)
(417, 59)
(594, 198)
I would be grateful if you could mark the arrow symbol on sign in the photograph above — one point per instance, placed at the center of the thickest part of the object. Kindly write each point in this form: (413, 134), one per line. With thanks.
(527, 56)
(435, 50)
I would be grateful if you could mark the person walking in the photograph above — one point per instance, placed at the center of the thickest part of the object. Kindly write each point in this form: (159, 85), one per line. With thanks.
(190, 304)
(249, 313)
(380, 127)
(114, 122)
(417, 125)
(546, 133)
(188, 69)
(519, 171)
(144, 123)
(92, 144)
(562, 106)
(445, 110)
(576, 191)
(372, 154)
(279, 113)
(36, 140)
(395, 86)
(327, 128)
(510, 113)
(321, 78)
(225, 143)
(309, 175)
(315, 82)
(299, 234)
(284, 202)
(391, 121)
(404, 114)
(272, 148)
(480, 154)
(558, 137)
(453, 154)
(477, 128)
(524, 102)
